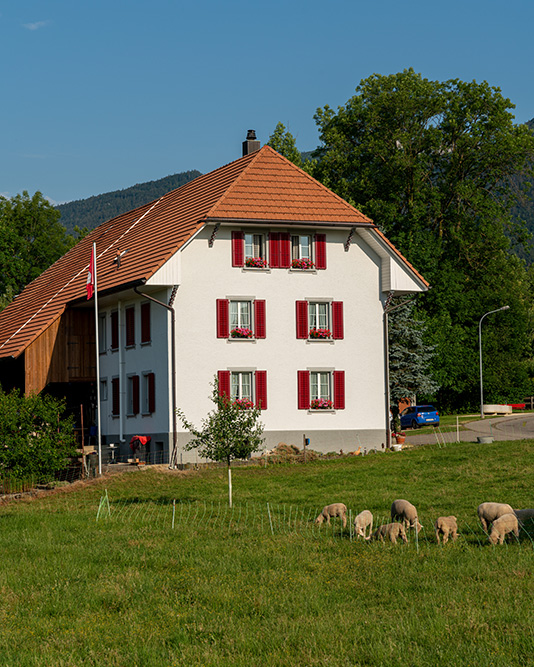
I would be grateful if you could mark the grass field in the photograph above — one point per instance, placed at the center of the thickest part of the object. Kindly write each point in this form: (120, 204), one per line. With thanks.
(261, 584)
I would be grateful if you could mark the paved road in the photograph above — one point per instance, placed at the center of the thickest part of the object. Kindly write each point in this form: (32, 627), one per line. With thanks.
(512, 427)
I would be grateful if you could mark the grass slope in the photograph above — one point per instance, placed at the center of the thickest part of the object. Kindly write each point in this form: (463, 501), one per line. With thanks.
(264, 585)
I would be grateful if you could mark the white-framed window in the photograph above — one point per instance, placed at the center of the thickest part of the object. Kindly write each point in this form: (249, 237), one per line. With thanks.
(240, 315)
(320, 385)
(319, 314)
(301, 247)
(103, 389)
(102, 333)
(132, 395)
(241, 385)
(148, 396)
(255, 251)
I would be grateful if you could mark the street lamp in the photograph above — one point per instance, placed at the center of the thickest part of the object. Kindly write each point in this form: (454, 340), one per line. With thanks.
(480, 354)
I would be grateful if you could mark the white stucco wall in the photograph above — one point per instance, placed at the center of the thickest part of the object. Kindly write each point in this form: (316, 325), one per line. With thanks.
(353, 277)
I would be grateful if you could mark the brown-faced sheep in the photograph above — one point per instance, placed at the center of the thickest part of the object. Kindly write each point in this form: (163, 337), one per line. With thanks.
(406, 512)
(391, 531)
(445, 526)
(506, 523)
(488, 512)
(363, 521)
(336, 509)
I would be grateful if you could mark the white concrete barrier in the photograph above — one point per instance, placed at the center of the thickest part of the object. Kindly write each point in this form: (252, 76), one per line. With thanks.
(497, 409)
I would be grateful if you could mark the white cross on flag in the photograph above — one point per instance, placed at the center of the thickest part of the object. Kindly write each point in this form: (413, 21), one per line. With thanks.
(91, 277)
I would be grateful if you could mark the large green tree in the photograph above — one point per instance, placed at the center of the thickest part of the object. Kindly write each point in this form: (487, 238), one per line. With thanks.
(431, 162)
(31, 239)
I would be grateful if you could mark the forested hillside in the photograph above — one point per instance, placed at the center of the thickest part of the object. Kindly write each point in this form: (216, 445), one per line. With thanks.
(95, 210)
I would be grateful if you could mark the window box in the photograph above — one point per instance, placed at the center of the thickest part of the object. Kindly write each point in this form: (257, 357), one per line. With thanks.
(320, 334)
(321, 404)
(241, 332)
(255, 263)
(244, 403)
(303, 264)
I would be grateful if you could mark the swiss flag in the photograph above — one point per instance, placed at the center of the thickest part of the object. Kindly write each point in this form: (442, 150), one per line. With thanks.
(91, 277)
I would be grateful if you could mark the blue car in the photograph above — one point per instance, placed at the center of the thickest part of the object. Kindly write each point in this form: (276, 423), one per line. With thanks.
(419, 415)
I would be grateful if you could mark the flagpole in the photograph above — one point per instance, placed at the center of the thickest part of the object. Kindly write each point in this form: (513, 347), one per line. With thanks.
(98, 421)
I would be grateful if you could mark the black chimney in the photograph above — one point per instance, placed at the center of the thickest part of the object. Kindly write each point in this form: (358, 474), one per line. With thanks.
(251, 144)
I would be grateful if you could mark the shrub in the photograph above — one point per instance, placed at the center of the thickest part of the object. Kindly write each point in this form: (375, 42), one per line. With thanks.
(35, 438)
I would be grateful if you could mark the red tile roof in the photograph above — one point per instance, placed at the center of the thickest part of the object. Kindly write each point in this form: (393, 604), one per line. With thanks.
(262, 186)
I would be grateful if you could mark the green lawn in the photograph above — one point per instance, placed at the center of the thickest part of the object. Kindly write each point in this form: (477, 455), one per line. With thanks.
(261, 584)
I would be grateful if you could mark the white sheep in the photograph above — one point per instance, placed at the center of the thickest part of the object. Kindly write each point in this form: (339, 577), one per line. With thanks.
(336, 509)
(506, 523)
(406, 512)
(363, 521)
(390, 530)
(445, 526)
(488, 512)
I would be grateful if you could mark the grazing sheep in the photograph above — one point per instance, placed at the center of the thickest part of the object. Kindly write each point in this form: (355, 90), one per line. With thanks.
(524, 515)
(390, 530)
(361, 522)
(507, 523)
(445, 526)
(406, 512)
(336, 509)
(488, 512)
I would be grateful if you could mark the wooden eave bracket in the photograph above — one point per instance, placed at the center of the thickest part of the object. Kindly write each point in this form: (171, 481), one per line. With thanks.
(349, 238)
(213, 234)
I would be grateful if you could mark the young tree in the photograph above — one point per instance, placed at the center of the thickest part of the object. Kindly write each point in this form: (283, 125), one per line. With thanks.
(229, 432)
(35, 438)
(31, 239)
(431, 163)
(410, 356)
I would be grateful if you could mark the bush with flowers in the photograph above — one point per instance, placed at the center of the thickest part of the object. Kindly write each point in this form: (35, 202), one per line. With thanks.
(321, 404)
(302, 264)
(256, 262)
(244, 403)
(320, 333)
(242, 332)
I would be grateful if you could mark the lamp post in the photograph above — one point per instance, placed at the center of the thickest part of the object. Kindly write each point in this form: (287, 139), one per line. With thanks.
(480, 355)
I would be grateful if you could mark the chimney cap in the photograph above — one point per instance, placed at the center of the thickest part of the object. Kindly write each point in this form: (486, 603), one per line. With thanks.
(251, 135)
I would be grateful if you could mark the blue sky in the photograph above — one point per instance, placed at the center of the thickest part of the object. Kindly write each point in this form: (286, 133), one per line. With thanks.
(101, 95)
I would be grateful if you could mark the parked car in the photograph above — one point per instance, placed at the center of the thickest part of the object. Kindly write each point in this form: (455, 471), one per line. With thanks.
(419, 415)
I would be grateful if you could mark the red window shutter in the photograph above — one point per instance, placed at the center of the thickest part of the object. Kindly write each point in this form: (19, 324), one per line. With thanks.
(145, 323)
(259, 318)
(274, 250)
(151, 380)
(135, 394)
(238, 248)
(224, 383)
(115, 396)
(303, 390)
(302, 319)
(339, 390)
(261, 390)
(130, 327)
(114, 330)
(223, 318)
(320, 251)
(285, 250)
(337, 319)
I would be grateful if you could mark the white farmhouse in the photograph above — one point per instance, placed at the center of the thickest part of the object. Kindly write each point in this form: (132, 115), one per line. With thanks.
(255, 274)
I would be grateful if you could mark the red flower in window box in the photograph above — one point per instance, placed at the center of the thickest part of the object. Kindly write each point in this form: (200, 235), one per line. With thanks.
(256, 262)
(321, 404)
(244, 403)
(320, 333)
(242, 332)
(302, 264)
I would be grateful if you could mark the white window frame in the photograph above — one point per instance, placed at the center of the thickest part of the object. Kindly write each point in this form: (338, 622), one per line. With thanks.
(129, 394)
(240, 315)
(103, 389)
(314, 306)
(323, 385)
(237, 386)
(298, 249)
(253, 241)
